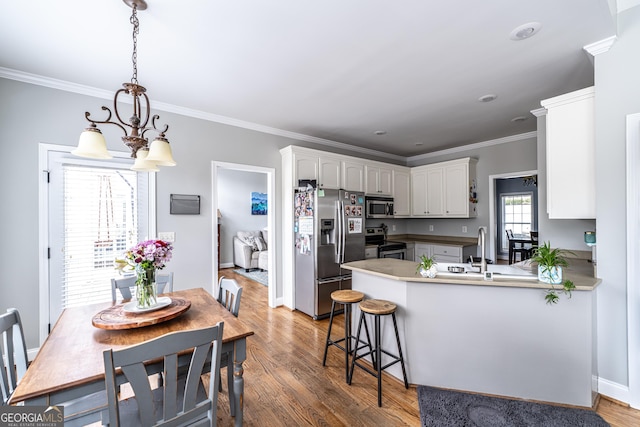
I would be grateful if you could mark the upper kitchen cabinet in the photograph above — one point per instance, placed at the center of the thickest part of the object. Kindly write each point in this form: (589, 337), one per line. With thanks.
(570, 150)
(401, 179)
(378, 179)
(305, 166)
(441, 190)
(352, 175)
(329, 176)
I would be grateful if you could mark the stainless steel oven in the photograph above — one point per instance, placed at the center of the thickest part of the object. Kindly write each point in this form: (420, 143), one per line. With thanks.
(385, 248)
(393, 252)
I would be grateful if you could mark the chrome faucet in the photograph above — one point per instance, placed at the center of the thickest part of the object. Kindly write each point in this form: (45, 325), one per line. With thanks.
(483, 261)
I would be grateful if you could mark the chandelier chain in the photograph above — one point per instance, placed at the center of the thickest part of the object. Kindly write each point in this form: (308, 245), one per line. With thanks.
(136, 30)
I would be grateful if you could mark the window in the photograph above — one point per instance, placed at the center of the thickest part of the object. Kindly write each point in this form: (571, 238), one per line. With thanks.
(516, 215)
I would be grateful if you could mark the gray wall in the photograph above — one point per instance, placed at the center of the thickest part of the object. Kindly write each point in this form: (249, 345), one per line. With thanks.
(234, 202)
(617, 95)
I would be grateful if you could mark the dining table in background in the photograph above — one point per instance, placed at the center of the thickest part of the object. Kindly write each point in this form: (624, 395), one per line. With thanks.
(70, 363)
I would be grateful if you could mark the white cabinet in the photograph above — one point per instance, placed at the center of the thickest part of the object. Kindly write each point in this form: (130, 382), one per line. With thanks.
(570, 150)
(441, 190)
(401, 192)
(329, 172)
(304, 167)
(411, 251)
(352, 175)
(422, 249)
(378, 180)
(442, 253)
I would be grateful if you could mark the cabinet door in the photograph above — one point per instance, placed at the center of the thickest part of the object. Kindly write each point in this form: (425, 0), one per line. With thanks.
(384, 181)
(305, 167)
(353, 176)
(378, 180)
(401, 193)
(456, 190)
(422, 249)
(329, 176)
(444, 253)
(435, 196)
(419, 193)
(372, 178)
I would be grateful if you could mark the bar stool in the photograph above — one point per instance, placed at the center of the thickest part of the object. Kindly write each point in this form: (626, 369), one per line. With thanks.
(347, 298)
(378, 308)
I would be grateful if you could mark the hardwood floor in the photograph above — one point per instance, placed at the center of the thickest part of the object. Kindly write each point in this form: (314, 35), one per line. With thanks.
(286, 384)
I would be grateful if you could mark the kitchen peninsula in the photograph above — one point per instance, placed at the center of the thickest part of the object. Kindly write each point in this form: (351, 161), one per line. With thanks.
(496, 337)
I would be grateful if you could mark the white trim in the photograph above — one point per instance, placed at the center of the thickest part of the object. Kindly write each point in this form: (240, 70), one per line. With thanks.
(493, 220)
(633, 254)
(271, 223)
(43, 227)
(601, 46)
(474, 146)
(613, 390)
(66, 86)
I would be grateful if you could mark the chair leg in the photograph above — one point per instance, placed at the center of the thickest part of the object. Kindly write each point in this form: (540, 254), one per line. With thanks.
(326, 344)
(404, 372)
(355, 353)
(347, 338)
(378, 358)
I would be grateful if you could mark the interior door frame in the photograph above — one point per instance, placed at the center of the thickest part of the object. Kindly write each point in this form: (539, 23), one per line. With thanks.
(271, 221)
(493, 219)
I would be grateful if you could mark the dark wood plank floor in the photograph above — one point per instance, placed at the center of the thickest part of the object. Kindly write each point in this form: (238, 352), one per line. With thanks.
(286, 384)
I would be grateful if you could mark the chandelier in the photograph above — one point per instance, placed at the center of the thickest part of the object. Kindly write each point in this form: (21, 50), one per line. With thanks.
(148, 156)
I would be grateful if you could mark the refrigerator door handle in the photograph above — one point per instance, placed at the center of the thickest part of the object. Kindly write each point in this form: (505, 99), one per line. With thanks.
(339, 231)
(343, 232)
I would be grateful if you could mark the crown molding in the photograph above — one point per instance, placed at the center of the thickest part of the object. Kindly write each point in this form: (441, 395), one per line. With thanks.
(601, 46)
(483, 144)
(105, 94)
(539, 112)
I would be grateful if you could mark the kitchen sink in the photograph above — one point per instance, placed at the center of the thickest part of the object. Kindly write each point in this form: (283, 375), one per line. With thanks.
(499, 271)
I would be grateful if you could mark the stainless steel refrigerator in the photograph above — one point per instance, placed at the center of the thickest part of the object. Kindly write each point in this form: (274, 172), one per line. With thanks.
(329, 231)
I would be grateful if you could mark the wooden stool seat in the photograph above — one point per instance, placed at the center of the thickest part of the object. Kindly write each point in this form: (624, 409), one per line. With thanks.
(347, 296)
(377, 306)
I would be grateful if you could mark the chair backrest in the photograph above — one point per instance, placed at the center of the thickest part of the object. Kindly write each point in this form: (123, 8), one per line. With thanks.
(174, 404)
(229, 293)
(164, 282)
(534, 237)
(509, 234)
(14, 353)
(124, 285)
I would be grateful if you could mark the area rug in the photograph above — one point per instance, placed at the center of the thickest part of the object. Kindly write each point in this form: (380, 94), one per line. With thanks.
(447, 408)
(261, 277)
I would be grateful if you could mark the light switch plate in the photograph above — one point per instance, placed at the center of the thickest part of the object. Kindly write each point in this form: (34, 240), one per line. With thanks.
(167, 236)
(464, 228)
(431, 228)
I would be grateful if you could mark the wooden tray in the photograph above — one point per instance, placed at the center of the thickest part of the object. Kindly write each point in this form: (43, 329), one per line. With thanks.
(115, 317)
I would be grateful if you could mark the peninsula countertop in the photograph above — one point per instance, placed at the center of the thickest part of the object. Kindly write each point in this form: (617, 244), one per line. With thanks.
(405, 271)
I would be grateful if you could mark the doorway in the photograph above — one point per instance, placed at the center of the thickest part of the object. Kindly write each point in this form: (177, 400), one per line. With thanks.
(269, 174)
(504, 190)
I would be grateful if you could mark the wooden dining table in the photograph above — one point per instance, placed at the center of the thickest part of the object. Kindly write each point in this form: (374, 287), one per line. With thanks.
(70, 363)
(517, 239)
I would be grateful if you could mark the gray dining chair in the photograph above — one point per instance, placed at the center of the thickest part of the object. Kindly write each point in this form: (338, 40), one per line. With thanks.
(123, 285)
(182, 400)
(13, 352)
(229, 294)
(164, 282)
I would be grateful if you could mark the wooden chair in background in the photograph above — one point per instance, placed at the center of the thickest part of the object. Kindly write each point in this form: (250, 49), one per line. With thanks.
(516, 248)
(14, 353)
(229, 294)
(182, 400)
(164, 283)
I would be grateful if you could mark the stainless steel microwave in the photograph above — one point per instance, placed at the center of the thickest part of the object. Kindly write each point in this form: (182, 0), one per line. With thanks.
(379, 207)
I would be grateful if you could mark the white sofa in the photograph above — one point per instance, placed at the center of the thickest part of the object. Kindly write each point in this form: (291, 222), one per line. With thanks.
(250, 250)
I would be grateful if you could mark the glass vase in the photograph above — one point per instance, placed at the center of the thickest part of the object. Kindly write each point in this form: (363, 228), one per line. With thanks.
(146, 288)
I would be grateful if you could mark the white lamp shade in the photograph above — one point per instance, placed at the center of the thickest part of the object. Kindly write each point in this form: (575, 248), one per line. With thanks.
(160, 152)
(142, 164)
(92, 145)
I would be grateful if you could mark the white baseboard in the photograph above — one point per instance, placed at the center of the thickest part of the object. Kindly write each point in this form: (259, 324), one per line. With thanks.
(227, 265)
(613, 390)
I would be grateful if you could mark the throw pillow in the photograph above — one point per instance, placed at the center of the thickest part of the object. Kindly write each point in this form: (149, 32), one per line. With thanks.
(260, 243)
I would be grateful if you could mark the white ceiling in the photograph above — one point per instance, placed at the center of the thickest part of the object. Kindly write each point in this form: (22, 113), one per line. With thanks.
(331, 69)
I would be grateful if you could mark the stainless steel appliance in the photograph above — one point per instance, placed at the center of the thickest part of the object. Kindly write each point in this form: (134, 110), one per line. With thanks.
(386, 248)
(329, 230)
(379, 207)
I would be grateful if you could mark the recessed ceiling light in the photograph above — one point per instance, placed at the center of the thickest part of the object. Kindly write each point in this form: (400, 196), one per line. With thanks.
(418, 144)
(487, 98)
(519, 119)
(525, 31)
(380, 132)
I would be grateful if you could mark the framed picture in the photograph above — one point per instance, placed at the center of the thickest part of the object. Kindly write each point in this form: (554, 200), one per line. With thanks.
(258, 203)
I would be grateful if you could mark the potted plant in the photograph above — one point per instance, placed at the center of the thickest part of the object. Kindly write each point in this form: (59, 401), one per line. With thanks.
(550, 263)
(427, 267)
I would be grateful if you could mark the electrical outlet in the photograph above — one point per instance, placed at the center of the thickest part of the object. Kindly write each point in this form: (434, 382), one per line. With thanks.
(431, 228)
(393, 227)
(167, 236)
(464, 228)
